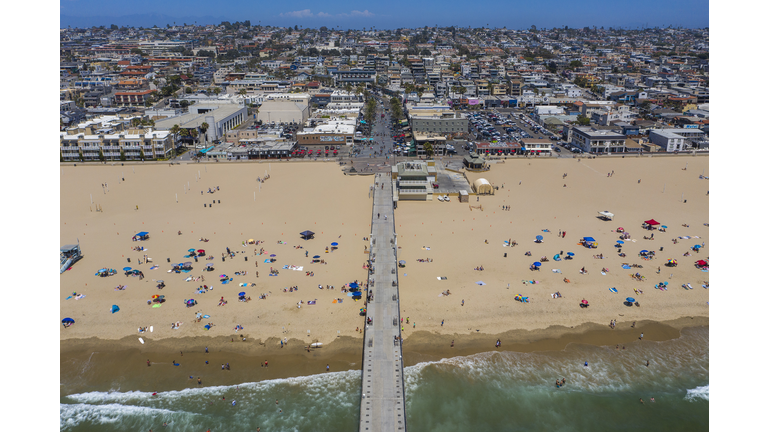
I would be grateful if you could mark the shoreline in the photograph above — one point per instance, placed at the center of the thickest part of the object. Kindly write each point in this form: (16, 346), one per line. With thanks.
(88, 365)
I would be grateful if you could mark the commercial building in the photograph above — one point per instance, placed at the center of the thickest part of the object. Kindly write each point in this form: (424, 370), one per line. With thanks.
(591, 140)
(679, 139)
(436, 118)
(413, 180)
(220, 119)
(336, 131)
(284, 111)
(133, 144)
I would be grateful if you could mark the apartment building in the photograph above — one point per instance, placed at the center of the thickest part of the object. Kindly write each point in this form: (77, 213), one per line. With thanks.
(591, 140)
(133, 144)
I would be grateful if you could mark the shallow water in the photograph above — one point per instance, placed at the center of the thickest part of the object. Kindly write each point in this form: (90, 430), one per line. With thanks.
(483, 392)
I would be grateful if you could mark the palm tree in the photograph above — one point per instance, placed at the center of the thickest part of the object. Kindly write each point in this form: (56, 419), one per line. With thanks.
(175, 131)
(193, 133)
(184, 133)
(204, 129)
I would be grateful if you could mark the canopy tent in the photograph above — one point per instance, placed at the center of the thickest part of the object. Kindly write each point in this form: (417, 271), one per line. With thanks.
(141, 236)
(651, 222)
(606, 215)
(482, 186)
(306, 235)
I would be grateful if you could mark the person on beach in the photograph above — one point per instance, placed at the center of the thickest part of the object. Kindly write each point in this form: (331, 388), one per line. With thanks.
(327, 367)
(451, 343)
(498, 343)
(148, 363)
(641, 336)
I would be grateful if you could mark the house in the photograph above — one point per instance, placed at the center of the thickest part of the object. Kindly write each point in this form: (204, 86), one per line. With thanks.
(591, 140)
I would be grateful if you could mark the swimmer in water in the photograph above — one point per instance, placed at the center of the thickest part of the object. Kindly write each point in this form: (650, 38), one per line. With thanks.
(586, 364)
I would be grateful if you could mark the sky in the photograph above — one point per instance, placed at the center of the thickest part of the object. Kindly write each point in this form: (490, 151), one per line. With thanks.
(512, 14)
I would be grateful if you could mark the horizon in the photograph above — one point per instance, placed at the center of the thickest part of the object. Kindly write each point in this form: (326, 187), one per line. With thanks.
(344, 14)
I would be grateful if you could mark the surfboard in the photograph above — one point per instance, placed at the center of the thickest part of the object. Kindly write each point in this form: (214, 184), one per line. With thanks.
(316, 345)
(141, 340)
(151, 329)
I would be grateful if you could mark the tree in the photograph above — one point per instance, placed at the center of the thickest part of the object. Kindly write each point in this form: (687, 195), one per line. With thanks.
(175, 132)
(204, 129)
(101, 155)
(184, 133)
(582, 120)
(193, 134)
(576, 64)
(216, 90)
(429, 149)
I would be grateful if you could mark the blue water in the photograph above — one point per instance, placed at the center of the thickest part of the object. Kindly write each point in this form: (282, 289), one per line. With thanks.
(484, 392)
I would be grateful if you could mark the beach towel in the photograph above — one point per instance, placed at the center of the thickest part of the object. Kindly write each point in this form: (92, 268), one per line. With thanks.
(79, 296)
(224, 282)
(267, 260)
(186, 271)
(68, 298)
(602, 273)
(626, 267)
(480, 283)
(311, 302)
(153, 267)
(156, 305)
(556, 271)
(334, 301)
(425, 248)
(613, 290)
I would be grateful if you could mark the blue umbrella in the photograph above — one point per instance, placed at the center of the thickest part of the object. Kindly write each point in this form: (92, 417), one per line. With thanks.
(619, 242)
(68, 320)
(537, 264)
(643, 251)
(115, 308)
(126, 269)
(570, 254)
(334, 244)
(353, 285)
(664, 226)
(242, 293)
(191, 250)
(538, 237)
(273, 255)
(630, 299)
(316, 256)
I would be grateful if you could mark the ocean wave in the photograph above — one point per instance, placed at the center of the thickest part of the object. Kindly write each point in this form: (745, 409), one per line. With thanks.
(71, 415)
(610, 370)
(312, 384)
(701, 392)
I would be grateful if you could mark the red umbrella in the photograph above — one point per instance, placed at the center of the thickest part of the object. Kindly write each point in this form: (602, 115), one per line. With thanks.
(584, 302)
(201, 251)
(701, 263)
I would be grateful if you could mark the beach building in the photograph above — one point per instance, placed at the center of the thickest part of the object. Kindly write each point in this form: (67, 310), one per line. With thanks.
(474, 162)
(220, 119)
(537, 146)
(132, 144)
(284, 111)
(413, 180)
(678, 139)
(336, 131)
(591, 140)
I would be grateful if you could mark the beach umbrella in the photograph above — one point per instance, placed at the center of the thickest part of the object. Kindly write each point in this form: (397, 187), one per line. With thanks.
(402, 262)
(619, 242)
(242, 294)
(664, 226)
(68, 320)
(201, 251)
(272, 256)
(353, 285)
(584, 302)
(103, 270)
(316, 257)
(127, 269)
(570, 254)
(191, 250)
(334, 244)
(537, 264)
(556, 257)
(701, 263)
(672, 261)
(630, 299)
(191, 301)
(115, 308)
(161, 281)
(206, 316)
(697, 246)
(538, 237)
(156, 296)
(643, 251)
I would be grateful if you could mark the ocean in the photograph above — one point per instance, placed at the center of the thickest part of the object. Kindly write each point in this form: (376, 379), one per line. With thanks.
(493, 391)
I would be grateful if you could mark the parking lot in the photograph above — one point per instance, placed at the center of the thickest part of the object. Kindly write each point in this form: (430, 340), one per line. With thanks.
(511, 125)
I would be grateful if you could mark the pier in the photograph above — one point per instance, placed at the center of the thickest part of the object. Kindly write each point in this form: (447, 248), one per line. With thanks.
(382, 404)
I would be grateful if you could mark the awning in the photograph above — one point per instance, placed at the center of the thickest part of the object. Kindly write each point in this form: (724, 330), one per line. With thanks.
(651, 222)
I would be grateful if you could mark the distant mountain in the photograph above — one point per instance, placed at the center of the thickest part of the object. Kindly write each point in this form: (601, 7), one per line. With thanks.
(135, 20)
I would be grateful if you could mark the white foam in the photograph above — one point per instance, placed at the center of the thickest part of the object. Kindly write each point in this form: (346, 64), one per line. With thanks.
(72, 415)
(701, 392)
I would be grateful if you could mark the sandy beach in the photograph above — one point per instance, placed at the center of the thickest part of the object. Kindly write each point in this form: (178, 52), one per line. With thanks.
(538, 201)
(318, 197)
(295, 198)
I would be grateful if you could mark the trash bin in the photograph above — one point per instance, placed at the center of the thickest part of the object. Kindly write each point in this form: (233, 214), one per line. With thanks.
(505, 254)
(129, 260)
(246, 258)
(219, 202)
(205, 205)
(168, 259)
(222, 259)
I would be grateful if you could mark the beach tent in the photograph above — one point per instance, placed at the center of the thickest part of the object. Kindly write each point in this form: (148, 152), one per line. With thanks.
(606, 215)
(651, 222)
(68, 320)
(144, 235)
(306, 235)
(482, 186)
(115, 308)
(589, 241)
